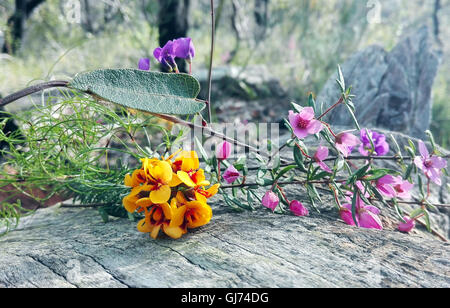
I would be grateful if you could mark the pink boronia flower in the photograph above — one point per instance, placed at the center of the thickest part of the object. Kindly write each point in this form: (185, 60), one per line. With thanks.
(223, 150)
(231, 174)
(298, 209)
(407, 225)
(304, 124)
(270, 200)
(345, 142)
(431, 165)
(320, 156)
(394, 187)
(366, 215)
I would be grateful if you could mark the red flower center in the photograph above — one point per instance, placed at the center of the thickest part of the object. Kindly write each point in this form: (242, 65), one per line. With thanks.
(302, 123)
(428, 163)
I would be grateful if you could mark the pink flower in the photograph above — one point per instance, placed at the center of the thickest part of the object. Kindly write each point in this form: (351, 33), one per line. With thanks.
(298, 209)
(303, 123)
(385, 185)
(349, 194)
(366, 215)
(223, 150)
(231, 174)
(270, 200)
(402, 188)
(407, 226)
(345, 143)
(320, 156)
(431, 165)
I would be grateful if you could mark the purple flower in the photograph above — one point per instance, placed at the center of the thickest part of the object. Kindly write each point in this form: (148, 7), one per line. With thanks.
(379, 141)
(322, 154)
(345, 143)
(366, 215)
(270, 200)
(144, 64)
(431, 165)
(298, 209)
(184, 48)
(407, 225)
(303, 123)
(166, 55)
(231, 174)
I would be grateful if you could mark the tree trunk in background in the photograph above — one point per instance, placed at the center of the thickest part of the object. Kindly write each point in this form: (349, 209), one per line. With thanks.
(261, 17)
(16, 24)
(173, 23)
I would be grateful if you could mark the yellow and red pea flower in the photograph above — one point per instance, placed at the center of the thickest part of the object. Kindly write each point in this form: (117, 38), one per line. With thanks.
(172, 195)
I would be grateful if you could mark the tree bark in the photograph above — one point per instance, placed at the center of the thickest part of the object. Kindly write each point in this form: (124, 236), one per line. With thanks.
(173, 23)
(16, 24)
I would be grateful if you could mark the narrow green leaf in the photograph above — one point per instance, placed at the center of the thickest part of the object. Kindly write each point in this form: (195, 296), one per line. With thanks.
(354, 200)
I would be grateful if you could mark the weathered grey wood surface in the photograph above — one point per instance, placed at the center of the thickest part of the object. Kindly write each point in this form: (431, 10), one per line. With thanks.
(73, 248)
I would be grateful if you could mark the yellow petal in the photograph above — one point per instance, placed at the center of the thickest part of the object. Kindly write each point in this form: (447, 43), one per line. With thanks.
(199, 178)
(144, 202)
(167, 209)
(129, 202)
(185, 178)
(162, 171)
(175, 181)
(144, 226)
(155, 231)
(173, 232)
(190, 161)
(129, 181)
(200, 198)
(161, 195)
(181, 199)
(213, 190)
(178, 216)
(199, 214)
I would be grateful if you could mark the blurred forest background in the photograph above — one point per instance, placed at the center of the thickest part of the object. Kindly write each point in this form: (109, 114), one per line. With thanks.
(300, 41)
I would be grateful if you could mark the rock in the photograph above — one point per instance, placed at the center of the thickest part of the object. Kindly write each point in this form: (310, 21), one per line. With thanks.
(245, 95)
(393, 89)
(73, 248)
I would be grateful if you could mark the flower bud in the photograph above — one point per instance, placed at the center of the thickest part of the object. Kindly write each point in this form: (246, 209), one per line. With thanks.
(270, 200)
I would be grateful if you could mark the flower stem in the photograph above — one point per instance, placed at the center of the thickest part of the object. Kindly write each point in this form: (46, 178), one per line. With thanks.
(331, 108)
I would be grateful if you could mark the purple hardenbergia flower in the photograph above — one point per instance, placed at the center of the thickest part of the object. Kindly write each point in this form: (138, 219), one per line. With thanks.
(144, 64)
(184, 48)
(166, 55)
(379, 142)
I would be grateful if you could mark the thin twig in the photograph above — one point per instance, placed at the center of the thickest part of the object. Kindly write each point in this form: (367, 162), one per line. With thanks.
(33, 89)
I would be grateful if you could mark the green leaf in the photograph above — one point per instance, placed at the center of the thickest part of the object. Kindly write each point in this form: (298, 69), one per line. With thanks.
(427, 220)
(354, 199)
(153, 92)
(299, 159)
(341, 80)
(312, 102)
(201, 150)
(103, 214)
(297, 107)
(284, 171)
